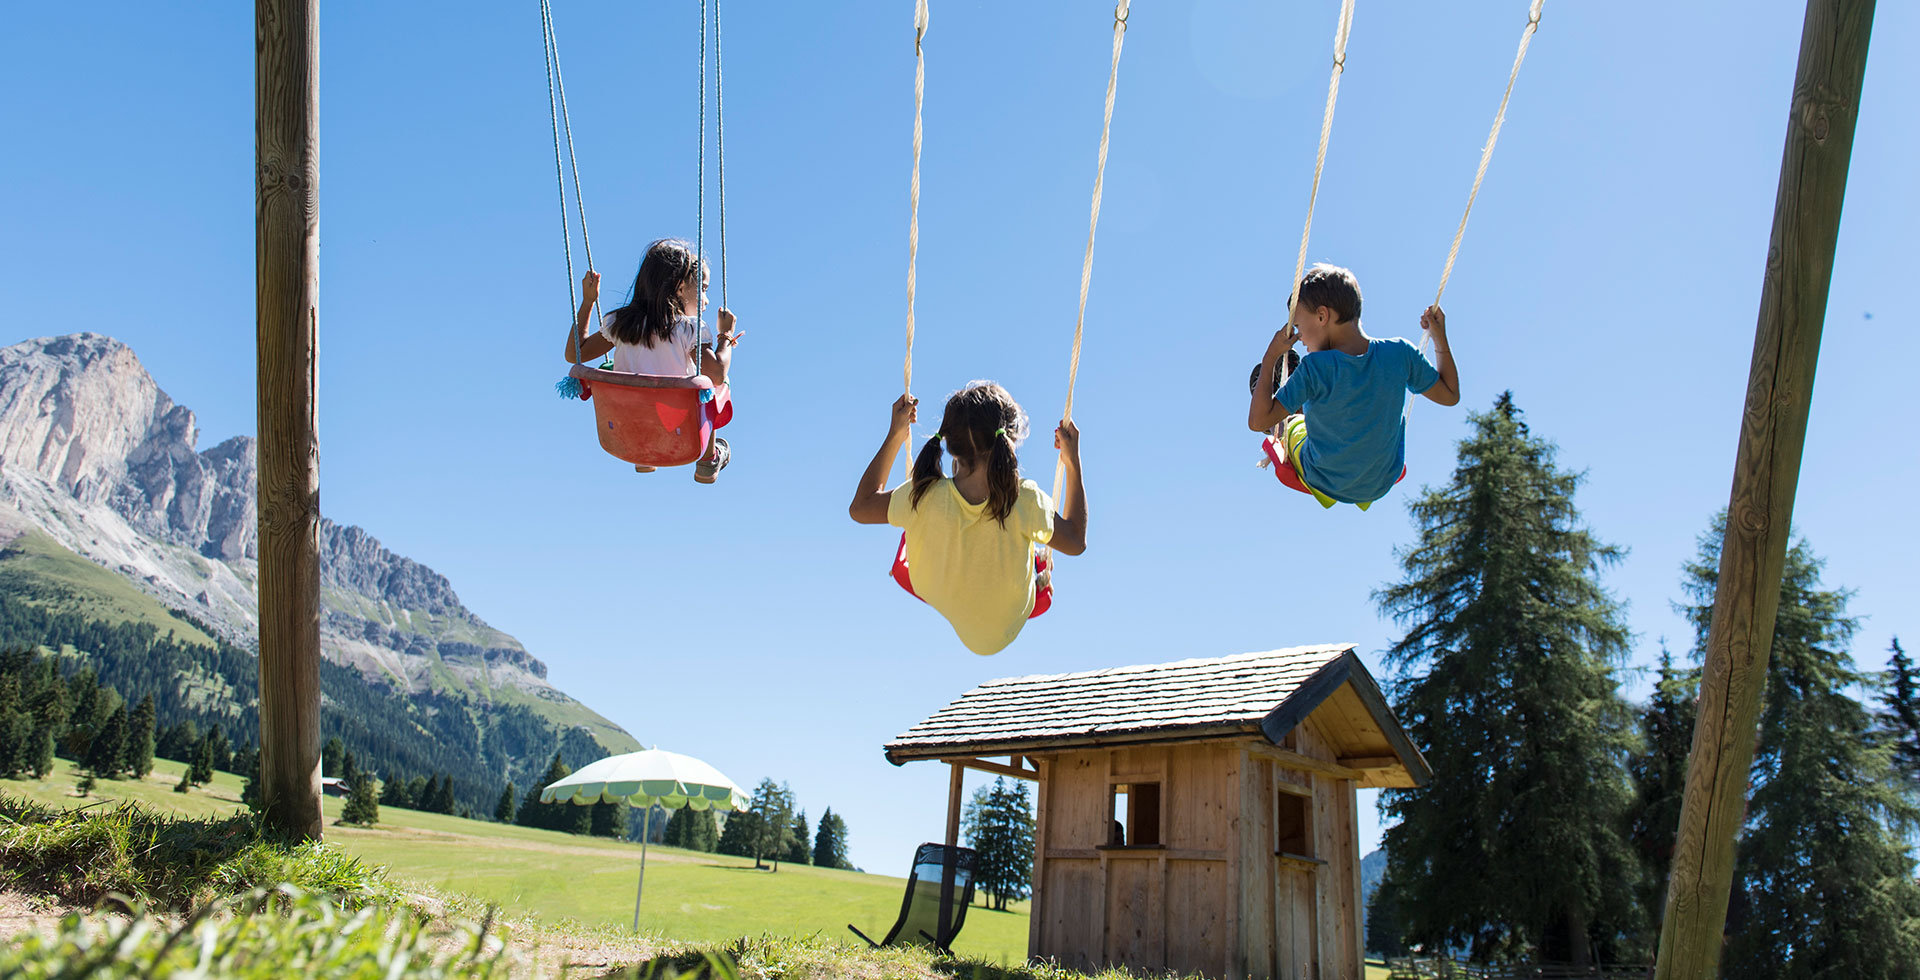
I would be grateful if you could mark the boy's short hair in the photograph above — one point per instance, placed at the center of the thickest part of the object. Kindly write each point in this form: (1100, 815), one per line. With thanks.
(1332, 287)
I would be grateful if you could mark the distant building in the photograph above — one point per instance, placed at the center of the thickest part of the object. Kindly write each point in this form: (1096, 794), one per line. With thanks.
(334, 786)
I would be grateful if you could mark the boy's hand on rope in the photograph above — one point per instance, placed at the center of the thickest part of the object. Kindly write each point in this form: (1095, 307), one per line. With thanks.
(1434, 321)
(906, 411)
(1281, 343)
(590, 288)
(1066, 438)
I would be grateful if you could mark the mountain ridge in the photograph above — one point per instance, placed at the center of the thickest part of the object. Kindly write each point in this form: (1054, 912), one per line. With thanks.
(95, 455)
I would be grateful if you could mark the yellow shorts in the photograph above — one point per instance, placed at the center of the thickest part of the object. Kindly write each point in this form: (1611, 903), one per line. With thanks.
(1292, 434)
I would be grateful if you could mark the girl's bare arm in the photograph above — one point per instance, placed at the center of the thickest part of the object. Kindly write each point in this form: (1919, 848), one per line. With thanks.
(871, 498)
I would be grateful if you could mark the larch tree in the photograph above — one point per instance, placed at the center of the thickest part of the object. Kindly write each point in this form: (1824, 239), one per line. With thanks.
(999, 825)
(1659, 770)
(1823, 885)
(1900, 718)
(1507, 680)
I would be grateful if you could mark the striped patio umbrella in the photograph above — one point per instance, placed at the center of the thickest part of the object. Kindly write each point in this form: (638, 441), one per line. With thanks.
(648, 779)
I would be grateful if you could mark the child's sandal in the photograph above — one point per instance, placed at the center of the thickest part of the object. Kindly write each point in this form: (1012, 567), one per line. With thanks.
(709, 468)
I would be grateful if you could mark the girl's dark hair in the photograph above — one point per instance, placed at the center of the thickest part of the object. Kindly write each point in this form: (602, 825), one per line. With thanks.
(654, 303)
(982, 423)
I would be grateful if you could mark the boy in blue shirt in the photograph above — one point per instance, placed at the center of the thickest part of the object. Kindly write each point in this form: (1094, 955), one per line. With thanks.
(1342, 411)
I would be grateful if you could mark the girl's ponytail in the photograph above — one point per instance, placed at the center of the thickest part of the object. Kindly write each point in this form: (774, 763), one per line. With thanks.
(926, 469)
(1003, 477)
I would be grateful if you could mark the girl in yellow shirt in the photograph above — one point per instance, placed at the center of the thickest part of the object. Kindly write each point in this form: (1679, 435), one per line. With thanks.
(970, 538)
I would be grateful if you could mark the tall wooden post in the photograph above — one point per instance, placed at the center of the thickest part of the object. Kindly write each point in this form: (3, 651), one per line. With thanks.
(287, 288)
(1773, 429)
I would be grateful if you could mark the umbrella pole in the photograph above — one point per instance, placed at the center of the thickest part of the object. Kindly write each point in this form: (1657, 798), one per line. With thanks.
(646, 831)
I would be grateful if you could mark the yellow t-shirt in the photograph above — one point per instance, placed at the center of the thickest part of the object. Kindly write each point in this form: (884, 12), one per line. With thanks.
(967, 566)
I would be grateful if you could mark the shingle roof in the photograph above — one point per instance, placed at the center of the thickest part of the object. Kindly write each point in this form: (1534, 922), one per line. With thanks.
(1190, 697)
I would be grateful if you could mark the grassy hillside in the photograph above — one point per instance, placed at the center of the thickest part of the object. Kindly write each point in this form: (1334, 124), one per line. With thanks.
(37, 569)
(561, 877)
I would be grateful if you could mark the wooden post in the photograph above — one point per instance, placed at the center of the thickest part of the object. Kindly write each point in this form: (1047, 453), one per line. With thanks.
(1773, 429)
(953, 803)
(287, 287)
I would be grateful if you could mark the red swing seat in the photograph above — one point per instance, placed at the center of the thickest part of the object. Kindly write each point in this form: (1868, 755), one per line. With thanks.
(1284, 471)
(653, 420)
(1042, 600)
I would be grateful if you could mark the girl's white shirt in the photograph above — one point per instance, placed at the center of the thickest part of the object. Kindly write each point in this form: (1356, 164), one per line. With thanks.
(678, 358)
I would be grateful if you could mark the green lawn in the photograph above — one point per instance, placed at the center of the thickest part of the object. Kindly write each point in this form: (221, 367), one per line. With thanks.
(558, 877)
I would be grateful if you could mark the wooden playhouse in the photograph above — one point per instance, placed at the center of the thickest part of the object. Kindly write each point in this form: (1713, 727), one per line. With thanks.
(1196, 816)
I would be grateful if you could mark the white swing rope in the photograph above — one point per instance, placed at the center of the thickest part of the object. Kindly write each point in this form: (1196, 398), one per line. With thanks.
(1340, 32)
(1486, 157)
(562, 121)
(1120, 13)
(920, 17)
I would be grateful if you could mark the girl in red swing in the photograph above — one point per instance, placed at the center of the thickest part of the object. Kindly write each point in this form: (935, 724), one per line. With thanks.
(659, 332)
(970, 538)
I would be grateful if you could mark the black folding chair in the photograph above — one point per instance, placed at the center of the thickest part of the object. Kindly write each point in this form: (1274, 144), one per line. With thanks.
(938, 893)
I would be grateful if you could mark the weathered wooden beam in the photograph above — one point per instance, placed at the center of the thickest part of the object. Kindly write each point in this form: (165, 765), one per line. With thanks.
(1371, 762)
(286, 296)
(954, 782)
(1773, 429)
(1290, 759)
(997, 768)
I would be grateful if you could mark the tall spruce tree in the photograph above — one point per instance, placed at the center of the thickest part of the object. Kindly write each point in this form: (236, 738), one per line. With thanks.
(1900, 718)
(330, 756)
(503, 810)
(106, 752)
(999, 826)
(1823, 886)
(830, 842)
(138, 758)
(740, 835)
(1659, 770)
(1507, 681)
(800, 842)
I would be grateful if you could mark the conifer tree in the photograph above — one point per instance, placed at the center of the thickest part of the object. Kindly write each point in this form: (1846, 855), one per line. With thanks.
(1506, 680)
(503, 810)
(608, 820)
(999, 825)
(108, 748)
(1659, 770)
(363, 799)
(830, 842)
(138, 759)
(547, 816)
(330, 756)
(772, 806)
(1900, 718)
(88, 708)
(1823, 886)
(740, 835)
(42, 754)
(691, 829)
(200, 772)
(800, 844)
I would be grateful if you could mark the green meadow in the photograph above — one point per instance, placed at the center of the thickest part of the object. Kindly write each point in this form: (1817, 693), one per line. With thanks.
(562, 879)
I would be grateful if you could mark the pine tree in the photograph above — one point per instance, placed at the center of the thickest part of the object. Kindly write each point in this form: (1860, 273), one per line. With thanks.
(348, 771)
(330, 755)
(1824, 887)
(250, 789)
(394, 792)
(363, 799)
(88, 710)
(42, 757)
(108, 748)
(740, 835)
(1506, 679)
(607, 820)
(1900, 717)
(200, 772)
(534, 813)
(691, 829)
(503, 810)
(1659, 771)
(999, 826)
(220, 751)
(138, 758)
(180, 742)
(830, 842)
(800, 846)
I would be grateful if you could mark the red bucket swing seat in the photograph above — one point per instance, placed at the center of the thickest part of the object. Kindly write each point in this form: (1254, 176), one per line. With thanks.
(1042, 600)
(653, 420)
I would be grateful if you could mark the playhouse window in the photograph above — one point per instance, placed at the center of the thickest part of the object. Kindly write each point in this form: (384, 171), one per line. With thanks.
(1134, 815)
(1293, 824)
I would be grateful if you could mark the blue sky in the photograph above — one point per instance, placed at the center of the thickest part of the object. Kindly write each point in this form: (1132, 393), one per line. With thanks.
(1610, 278)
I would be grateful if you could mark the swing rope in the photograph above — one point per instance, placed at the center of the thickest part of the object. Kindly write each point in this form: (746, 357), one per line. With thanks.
(700, 189)
(563, 122)
(1120, 14)
(920, 17)
(1480, 174)
(720, 144)
(1341, 31)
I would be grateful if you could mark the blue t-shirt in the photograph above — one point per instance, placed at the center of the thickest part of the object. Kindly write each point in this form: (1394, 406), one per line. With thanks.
(1356, 419)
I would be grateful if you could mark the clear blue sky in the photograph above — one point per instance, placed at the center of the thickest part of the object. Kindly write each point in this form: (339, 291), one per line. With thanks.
(1610, 278)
